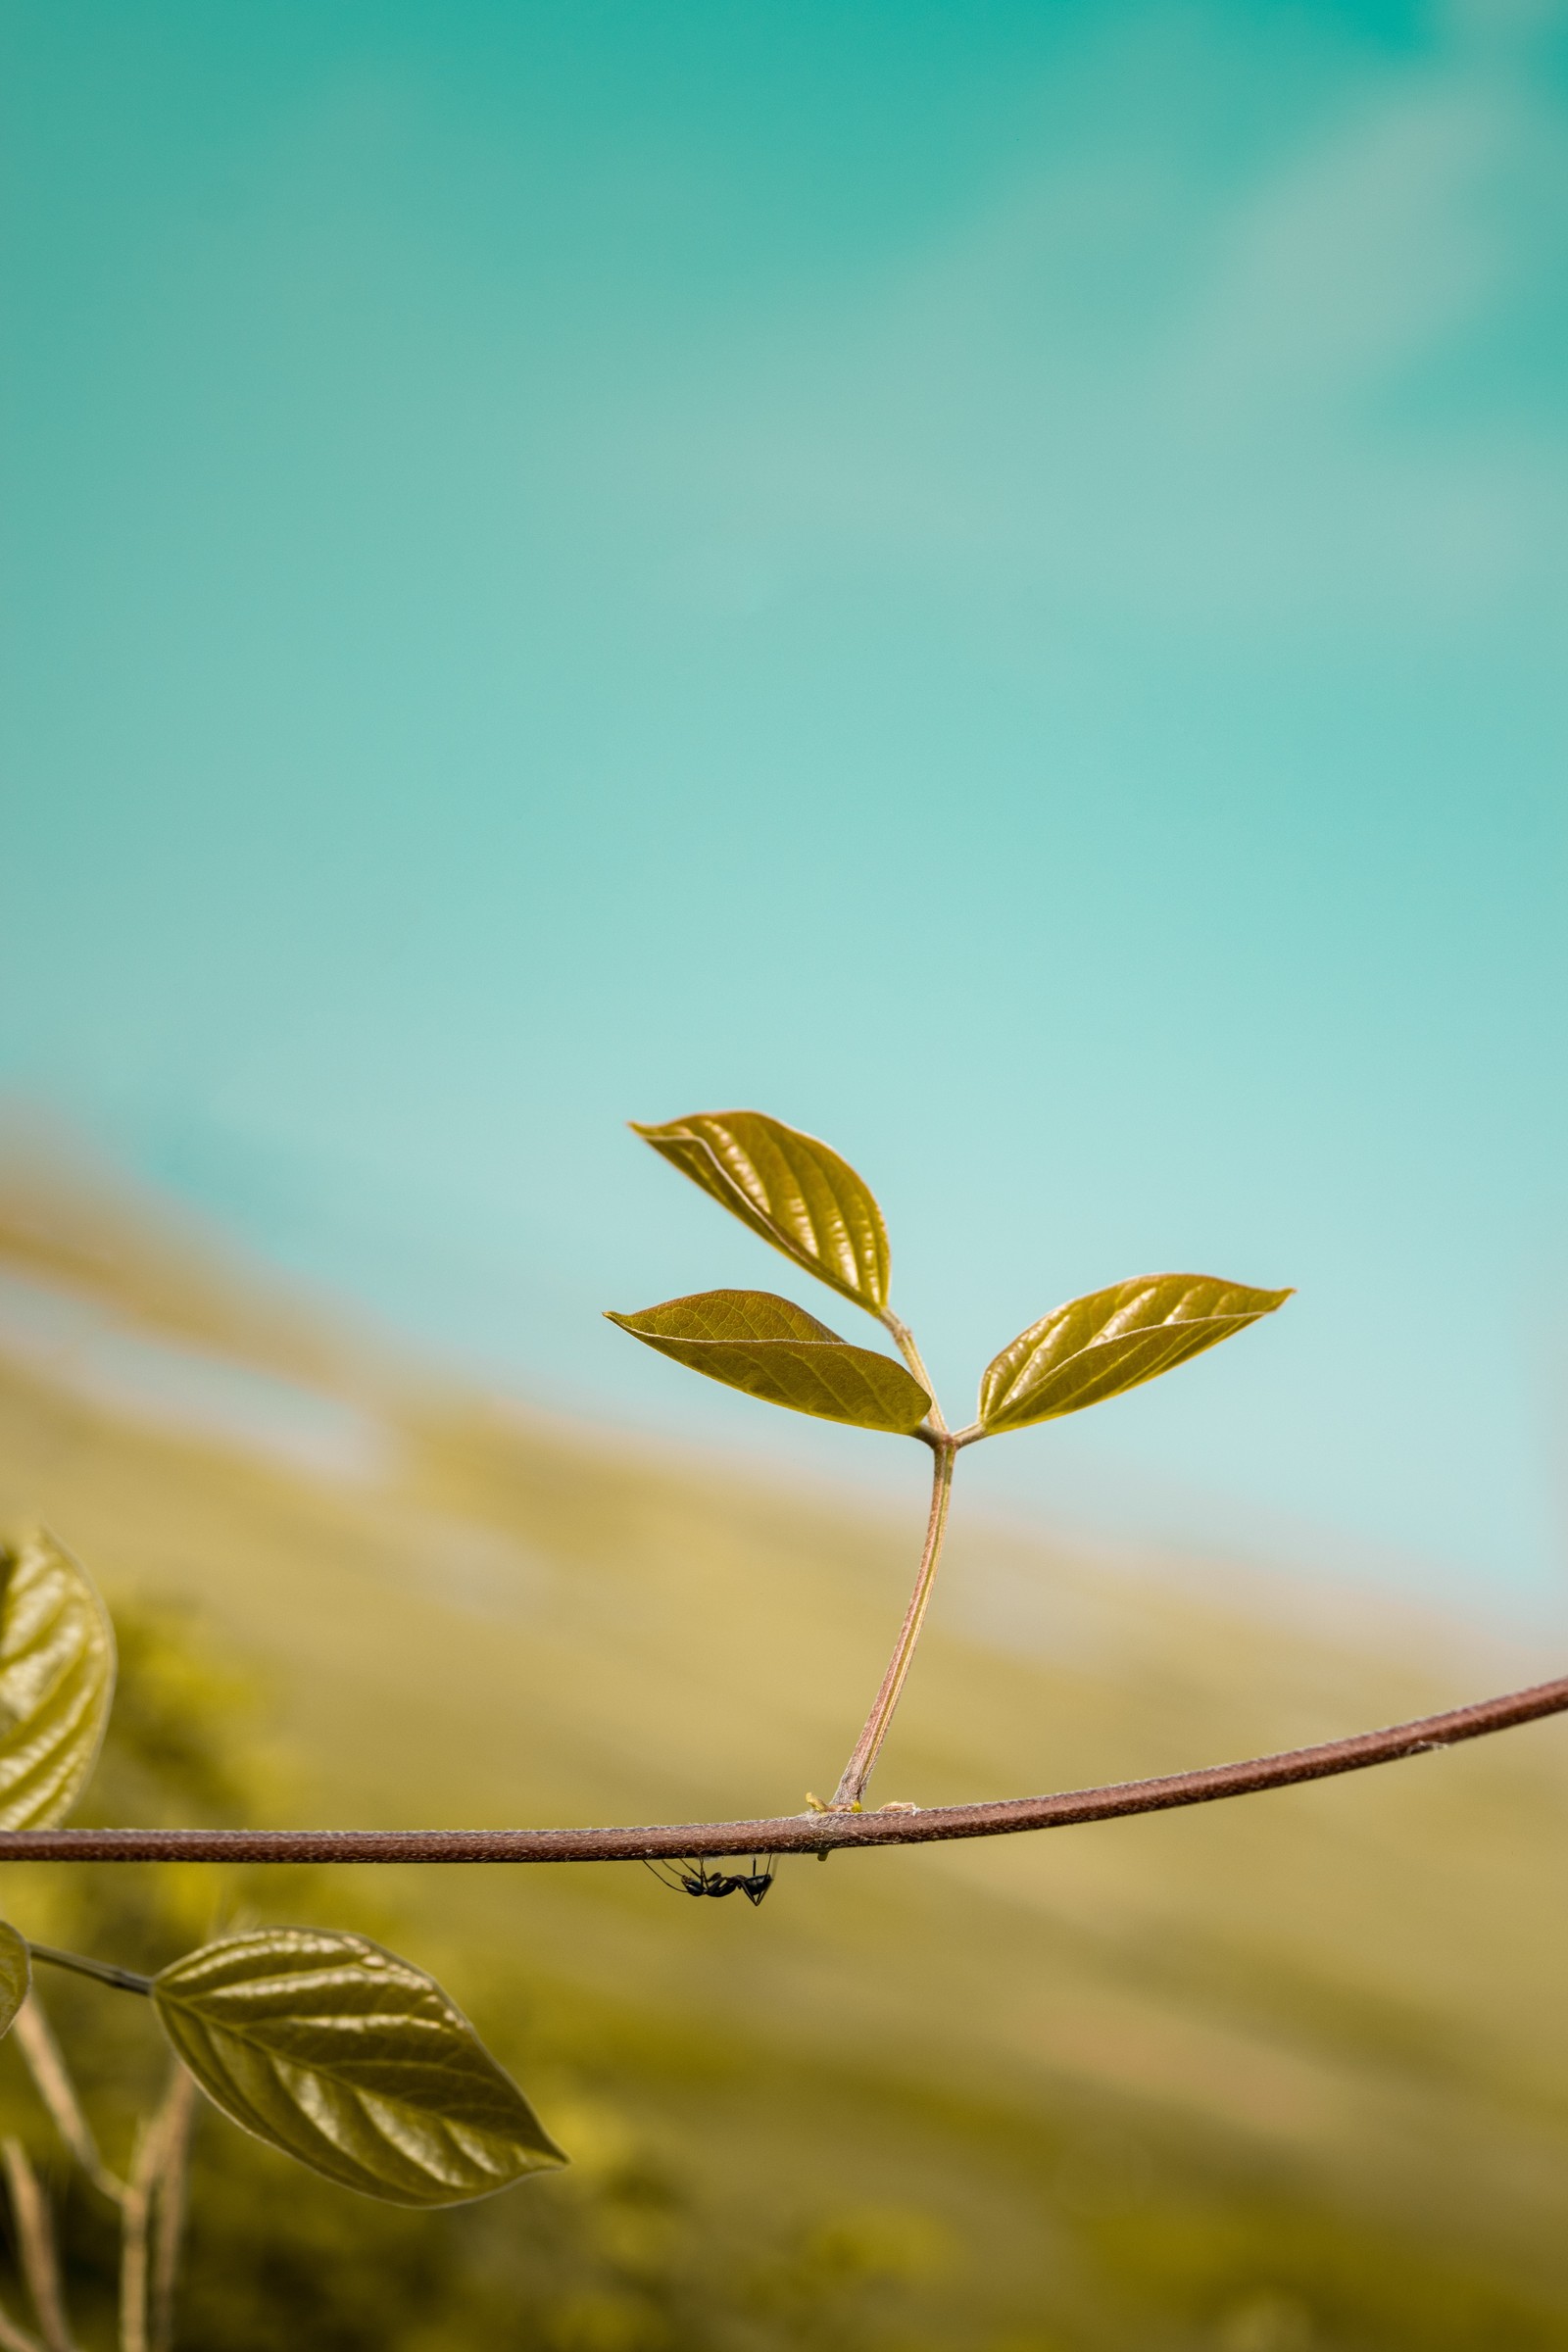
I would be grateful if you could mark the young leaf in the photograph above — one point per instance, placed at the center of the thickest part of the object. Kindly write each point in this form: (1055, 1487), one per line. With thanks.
(1097, 1346)
(57, 1681)
(341, 2054)
(752, 1341)
(790, 1188)
(16, 1974)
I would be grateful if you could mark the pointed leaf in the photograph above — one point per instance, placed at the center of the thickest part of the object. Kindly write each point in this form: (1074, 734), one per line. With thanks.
(16, 1974)
(1097, 1346)
(752, 1340)
(57, 1681)
(341, 2054)
(790, 1188)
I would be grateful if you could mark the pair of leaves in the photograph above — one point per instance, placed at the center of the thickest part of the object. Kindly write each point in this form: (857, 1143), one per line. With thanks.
(808, 1202)
(330, 2048)
(348, 2058)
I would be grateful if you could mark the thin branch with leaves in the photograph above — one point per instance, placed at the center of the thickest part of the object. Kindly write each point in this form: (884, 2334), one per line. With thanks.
(352, 2060)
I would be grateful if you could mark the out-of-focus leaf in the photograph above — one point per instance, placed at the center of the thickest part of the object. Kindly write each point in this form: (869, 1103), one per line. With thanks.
(752, 1340)
(1093, 1348)
(57, 1681)
(341, 2054)
(790, 1188)
(16, 1974)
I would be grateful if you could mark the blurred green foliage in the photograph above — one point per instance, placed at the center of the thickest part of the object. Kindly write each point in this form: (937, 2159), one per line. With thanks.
(619, 2256)
(663, 2236)
(1282, 2076)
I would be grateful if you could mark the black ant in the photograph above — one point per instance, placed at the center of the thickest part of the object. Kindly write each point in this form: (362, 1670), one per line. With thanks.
(694, 1878)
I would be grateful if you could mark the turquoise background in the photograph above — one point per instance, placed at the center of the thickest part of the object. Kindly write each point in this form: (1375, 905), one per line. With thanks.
(989, 579)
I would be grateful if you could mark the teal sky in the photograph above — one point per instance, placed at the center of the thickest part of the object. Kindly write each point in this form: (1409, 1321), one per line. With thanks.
(990, 579)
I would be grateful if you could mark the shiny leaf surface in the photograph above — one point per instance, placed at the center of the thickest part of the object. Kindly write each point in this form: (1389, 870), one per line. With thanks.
(16, 1974)
(348, 2058)
(57, 1681)
(752, 1340)
(1112, 1339)
(790, 1188)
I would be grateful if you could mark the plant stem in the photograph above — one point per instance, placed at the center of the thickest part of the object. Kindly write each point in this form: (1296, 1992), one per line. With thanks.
(169, 2212)
(152, 2219)
(35, 2246)
(45, 2062)
(857, 1770)
(126, 1980)
(133, 2218)
(152, 2202)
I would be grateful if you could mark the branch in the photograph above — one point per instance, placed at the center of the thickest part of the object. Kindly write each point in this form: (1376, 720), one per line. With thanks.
(34, 2037)
(168, 2206)
(135, 2215)
(152, 2219)
(793, 1832)
(35, 2246)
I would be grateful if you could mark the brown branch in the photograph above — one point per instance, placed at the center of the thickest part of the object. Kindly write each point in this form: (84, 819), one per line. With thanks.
(800, 1833)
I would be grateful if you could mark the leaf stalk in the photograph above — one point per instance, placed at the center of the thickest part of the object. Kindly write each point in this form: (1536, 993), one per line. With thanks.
(904, 1339)
(125, 1979)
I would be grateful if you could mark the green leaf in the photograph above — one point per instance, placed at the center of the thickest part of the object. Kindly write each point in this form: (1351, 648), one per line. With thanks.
(16, 1974)
(1097, 1346)
(790, 1188)
(341, 2054)
(752, 1341)
(57, 1681)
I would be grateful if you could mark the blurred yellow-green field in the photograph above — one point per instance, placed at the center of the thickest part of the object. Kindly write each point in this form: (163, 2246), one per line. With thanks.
(1285, 2072)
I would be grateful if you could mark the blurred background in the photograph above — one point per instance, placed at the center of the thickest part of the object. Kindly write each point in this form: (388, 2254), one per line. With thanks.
(988, 580)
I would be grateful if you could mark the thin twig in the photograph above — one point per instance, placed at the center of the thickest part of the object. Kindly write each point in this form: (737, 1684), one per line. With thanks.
(45, 2062)
(135, 2215)
(133, 2249)
(857, 1770)
(168, 2206)
(35, 2246)
(800, 1833)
